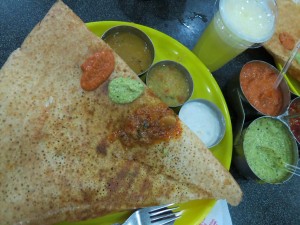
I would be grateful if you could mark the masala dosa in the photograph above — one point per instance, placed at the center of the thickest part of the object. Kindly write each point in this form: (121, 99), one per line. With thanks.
(288, 25)
(56, 163)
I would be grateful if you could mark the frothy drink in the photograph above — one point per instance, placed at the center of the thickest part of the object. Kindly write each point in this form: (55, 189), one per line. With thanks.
(236, 26)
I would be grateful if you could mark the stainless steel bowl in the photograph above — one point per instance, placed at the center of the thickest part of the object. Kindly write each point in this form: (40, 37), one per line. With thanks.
(181, 68)
(139, 33)
(194, 120)
(288, 118)
(282, 86)
(240, 159)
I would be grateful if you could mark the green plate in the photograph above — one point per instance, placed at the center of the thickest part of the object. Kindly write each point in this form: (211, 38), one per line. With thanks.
(205, 87)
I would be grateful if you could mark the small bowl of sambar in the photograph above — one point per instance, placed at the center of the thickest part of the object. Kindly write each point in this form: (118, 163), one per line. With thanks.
(171, 82)
(132, 45)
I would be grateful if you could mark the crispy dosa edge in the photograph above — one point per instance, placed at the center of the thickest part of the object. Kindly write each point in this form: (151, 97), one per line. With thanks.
(40, 140)
(287, 21)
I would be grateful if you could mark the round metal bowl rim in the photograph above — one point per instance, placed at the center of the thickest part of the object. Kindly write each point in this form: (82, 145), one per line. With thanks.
(216, 109)
(283, 82)
(295, 149)
(138, 32)
(181, 68)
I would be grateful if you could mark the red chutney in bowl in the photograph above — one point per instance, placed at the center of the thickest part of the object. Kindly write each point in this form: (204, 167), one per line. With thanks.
(257, 79)
(294, 123)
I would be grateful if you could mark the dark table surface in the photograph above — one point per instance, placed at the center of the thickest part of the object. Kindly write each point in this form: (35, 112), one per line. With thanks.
(184, 20)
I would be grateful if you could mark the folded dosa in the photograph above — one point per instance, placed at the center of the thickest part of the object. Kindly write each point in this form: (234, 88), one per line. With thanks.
(287, 25)
(55, 161)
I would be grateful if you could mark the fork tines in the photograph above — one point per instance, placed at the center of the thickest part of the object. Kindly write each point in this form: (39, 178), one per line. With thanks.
(293, 169)
(165, 213)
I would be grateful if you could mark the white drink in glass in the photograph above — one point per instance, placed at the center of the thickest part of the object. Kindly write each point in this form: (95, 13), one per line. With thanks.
(236, 26)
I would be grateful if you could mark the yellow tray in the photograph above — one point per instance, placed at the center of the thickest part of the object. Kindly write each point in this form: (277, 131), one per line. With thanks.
(206, 87)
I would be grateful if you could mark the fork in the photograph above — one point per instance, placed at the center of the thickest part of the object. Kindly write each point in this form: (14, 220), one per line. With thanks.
(156, 215)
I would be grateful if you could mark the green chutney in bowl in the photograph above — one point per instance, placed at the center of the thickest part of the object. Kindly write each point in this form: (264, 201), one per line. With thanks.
(268, 145)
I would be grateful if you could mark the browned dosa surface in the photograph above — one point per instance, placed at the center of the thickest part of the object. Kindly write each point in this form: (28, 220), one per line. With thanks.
(287, 21)
(55, 161)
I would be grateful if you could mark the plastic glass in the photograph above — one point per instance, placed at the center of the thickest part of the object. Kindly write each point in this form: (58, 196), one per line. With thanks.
(222, 41)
